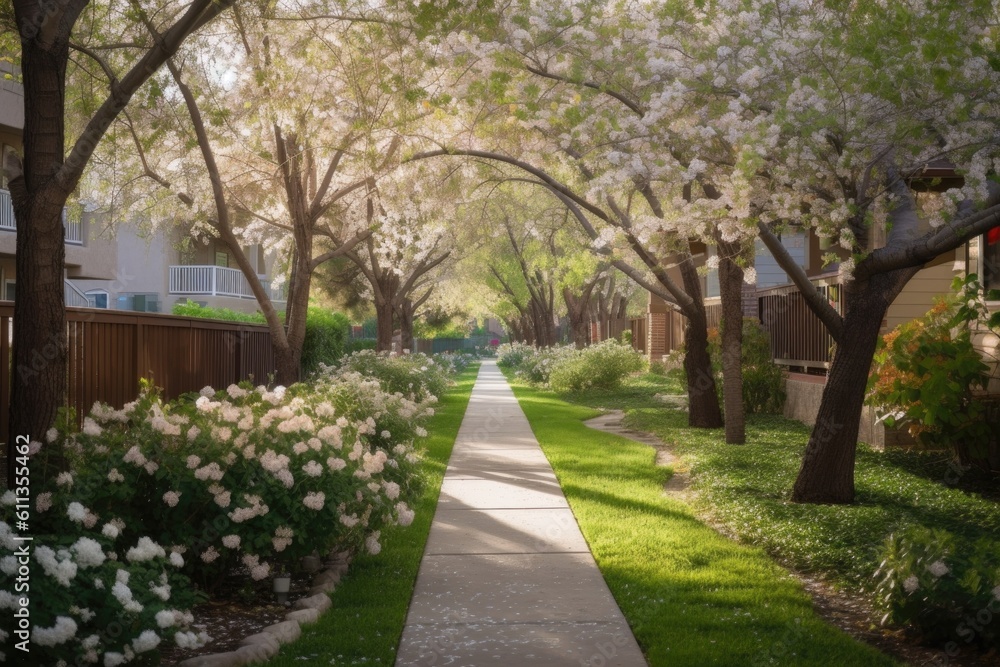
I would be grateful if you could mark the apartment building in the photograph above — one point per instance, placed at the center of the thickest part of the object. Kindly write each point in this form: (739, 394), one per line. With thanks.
(119, 266)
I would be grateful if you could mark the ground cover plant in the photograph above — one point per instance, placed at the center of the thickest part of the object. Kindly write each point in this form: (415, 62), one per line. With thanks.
(370, 603)
(161, 495)
(690, 595)
(916, 543)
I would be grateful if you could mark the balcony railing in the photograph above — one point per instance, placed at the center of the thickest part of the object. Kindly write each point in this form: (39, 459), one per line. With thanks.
(798, 338)
(73, 229)
(210, 280)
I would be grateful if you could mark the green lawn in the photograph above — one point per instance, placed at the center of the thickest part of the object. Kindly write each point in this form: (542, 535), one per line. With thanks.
(369, 605)
(747, 489)
(691, 596)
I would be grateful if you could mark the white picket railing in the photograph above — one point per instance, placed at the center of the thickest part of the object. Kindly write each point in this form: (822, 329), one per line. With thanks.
(73, 228)
(7, 212)
(74, 297)
(214, 281)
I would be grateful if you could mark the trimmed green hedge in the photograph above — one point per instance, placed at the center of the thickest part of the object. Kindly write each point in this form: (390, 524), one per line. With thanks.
(326, 339)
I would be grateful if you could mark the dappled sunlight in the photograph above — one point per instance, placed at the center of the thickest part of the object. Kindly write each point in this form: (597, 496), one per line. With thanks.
(691, 595)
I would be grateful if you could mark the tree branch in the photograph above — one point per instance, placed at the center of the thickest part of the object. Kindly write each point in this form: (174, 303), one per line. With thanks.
(341, 250)
(198, 14)
(632, 105)
(817, 303)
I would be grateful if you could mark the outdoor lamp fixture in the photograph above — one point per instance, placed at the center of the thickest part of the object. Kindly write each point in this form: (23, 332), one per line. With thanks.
(282, 582)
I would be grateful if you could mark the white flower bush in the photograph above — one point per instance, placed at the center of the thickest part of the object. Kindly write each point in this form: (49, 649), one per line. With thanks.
(242, 480)
(96, 599)
(945, 586)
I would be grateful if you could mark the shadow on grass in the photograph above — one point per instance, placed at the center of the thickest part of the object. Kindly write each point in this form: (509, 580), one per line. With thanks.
(691, 596)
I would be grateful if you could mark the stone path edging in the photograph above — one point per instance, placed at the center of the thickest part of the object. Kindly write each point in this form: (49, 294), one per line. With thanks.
(264, 645)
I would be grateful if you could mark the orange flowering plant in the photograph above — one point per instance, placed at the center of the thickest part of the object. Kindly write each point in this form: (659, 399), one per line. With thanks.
(929, 376)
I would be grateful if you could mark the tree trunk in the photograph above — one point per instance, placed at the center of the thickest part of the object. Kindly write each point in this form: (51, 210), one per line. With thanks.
(551, 325)
(537, 324)
(38, 386)
(406, 325)
(548, 324)
(296, 309)
(602, 316)
(513, 328)
(383, 327)
(528, 329)
(731, 287)
(827, 472)
(579, 321)
(703, 400)
(287, 362)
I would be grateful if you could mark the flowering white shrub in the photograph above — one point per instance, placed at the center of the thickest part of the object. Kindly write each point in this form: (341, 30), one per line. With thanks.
(602, 365)
(248, 479)
(416, 376)
(941, 583)
(538, 367)
(510, 355)
(94, 598)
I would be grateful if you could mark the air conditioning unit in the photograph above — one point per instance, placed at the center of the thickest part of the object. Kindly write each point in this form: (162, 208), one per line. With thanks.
(143, 303)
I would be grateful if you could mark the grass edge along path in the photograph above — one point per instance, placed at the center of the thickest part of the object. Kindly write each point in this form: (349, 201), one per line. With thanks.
(369, 605)
(691, 596)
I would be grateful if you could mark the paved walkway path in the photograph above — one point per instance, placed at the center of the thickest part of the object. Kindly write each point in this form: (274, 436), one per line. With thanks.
(507, 578)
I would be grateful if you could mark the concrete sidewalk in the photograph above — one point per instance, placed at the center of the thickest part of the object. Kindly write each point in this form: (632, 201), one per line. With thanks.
(507, 578)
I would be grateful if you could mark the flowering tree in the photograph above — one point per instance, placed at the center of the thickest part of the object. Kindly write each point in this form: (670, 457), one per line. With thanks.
(869, 100)
(411, 240)
(292, 172)
(580, 290)
(535, 254)
(591, 101)
(46, 175)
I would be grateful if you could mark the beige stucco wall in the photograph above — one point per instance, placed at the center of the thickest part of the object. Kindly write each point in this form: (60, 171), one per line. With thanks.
(96, 259)
(11, 101)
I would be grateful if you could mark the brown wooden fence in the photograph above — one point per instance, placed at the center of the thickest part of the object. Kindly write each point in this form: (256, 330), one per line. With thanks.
(110, 351)
(640, 327)
(798, 337)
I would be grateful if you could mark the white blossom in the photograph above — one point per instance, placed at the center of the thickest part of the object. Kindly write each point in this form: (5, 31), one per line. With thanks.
(60, 633)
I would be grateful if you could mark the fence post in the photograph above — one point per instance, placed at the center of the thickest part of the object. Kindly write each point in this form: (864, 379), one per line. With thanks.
(238, 351)
(6, 371)
(140, 344)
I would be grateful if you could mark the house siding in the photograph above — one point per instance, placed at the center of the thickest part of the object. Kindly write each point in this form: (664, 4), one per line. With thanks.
(918, 296)
(769, 273)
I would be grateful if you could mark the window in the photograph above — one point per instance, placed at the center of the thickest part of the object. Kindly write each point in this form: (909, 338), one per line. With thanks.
(221, 258)
(990, 259)
(98, 298)
(8, 290)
